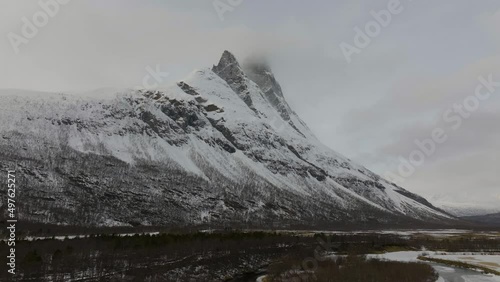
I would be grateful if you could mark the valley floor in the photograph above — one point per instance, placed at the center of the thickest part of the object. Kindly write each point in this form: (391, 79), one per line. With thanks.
(245, 256)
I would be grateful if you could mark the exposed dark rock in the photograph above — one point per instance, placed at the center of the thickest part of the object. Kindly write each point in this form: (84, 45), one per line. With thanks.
(211, 108)
(186, 88)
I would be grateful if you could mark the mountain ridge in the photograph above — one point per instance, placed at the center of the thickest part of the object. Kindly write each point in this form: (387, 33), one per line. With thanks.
(216, 147)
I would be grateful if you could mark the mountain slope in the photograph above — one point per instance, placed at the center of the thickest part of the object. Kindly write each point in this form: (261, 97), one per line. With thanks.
(222, 146)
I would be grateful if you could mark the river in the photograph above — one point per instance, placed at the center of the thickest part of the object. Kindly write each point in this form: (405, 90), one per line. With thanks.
(450, 274)
(446, 273)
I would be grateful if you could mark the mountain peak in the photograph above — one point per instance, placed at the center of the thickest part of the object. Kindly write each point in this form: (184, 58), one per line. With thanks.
(257, 69)
(227, 61)
(230, 70)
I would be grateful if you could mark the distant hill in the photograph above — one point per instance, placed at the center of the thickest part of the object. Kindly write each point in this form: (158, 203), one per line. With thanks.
(488, 219)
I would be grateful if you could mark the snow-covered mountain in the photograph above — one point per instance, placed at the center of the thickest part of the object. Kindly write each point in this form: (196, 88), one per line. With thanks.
(466, 209)
(462, 205)
(220, 147)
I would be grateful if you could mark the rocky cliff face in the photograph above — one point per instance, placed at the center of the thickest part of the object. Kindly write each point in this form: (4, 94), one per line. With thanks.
(221, 147)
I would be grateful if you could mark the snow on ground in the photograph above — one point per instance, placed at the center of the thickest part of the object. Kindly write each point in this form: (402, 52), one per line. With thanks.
(70, 237)
(475, 278)
(446, 273)
(441, 233)
(406, 256)
(489, 261)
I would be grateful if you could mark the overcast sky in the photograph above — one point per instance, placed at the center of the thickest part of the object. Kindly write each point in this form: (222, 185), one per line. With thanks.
(394, 91)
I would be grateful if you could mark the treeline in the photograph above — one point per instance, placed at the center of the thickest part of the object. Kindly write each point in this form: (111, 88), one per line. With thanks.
(352, 268)
(374, 243)
(162, 257)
